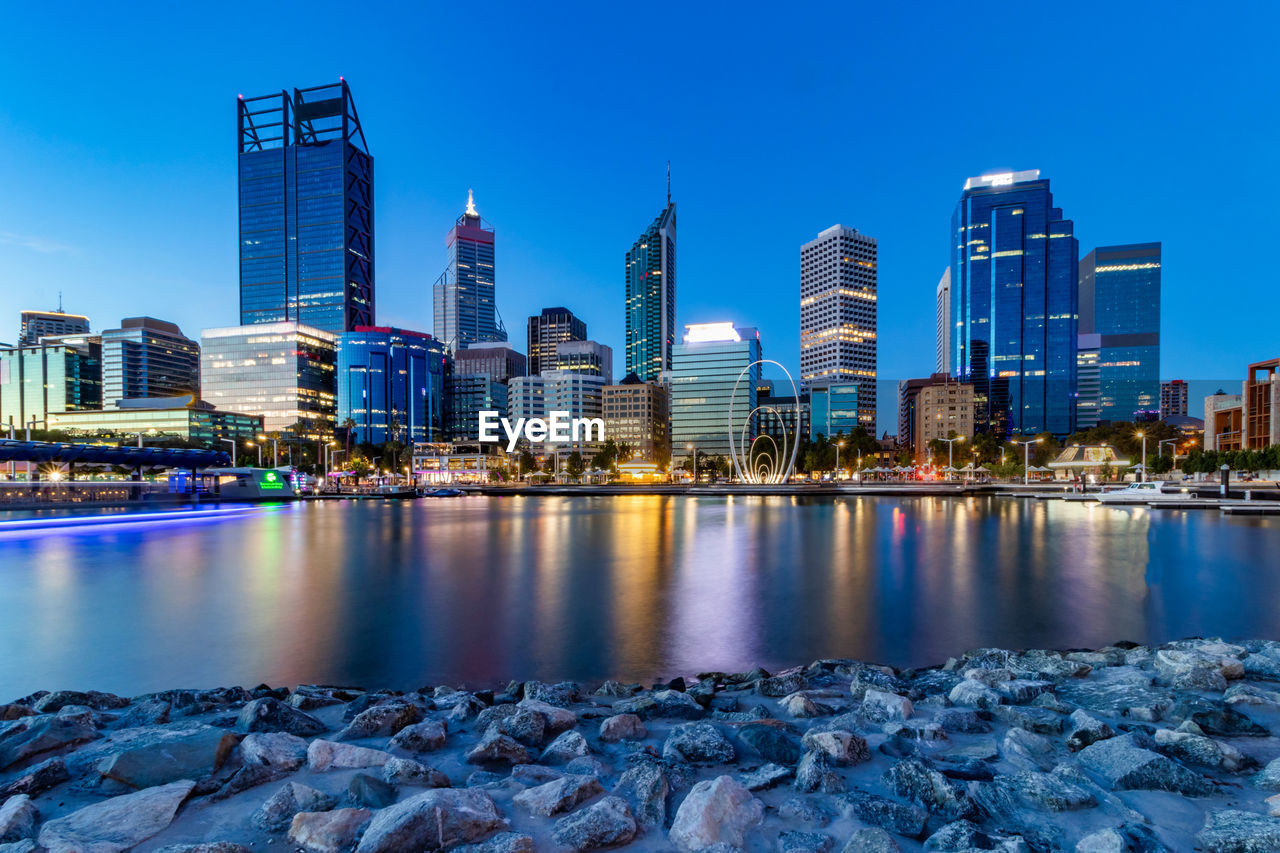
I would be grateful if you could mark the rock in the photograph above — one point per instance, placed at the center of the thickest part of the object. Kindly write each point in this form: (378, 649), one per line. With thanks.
(646, 787)
(213, 847)
(1192, 748)
(503, 842)
(780, 685)
(565, 748)
(962, 836)
(427, 736)
(499, 748)
(559, 796)
(115, 824)
(18, 818)
(874, 810)
(325, 755)
(871, 839)
(916, 730)
(1119, 692)
(1102, 841)
(556, 719)
(433, 820)
(1040, 792)
(698, 743)
(880, 707)
(276, 813)
(526, 726)
(914, 780)
(277, 750)
(1251, 694)
(804, 809)
(800, 706)
(327, 832)
(149, 712)
(381, 721)
(403, 771)
(1273, 805)
(975, 693)
(1217, 719)
(765, 777)
(272, 715)
(815, 773)
(484, 779)
(24, 846)
(563, 694)
(53, 702)
(717, 811)
(13, 711)
(867, 677)
(604, 824)
(1027, 750)
(804, 842)
(1086, 730)
(1021, 690)
(160, 755)
(770, 742)
(367, 792)
(1269, 777)
(622, 727)
(1042, 721)
(26, 737)
(842, 747)
(961, 720)
(37, 779)
(1127, 766)
(1232, 831)
(664, 703)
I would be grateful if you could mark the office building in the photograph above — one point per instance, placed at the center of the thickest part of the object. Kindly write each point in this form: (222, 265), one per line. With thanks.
(784, 417)
(588, 357)
(468, 395)
(63, 374)
(1249, 420)
(184, 417)
(306, 210)
(651, 297)
(548, 329)
(942, 408)
(284, 372)
(1088, 387)
(146, 357)
(833, 409)
(38, 324)
(942, 322)
(464, 297)
(1173, 398)
(499, 360)
(705, 370)
(1120, 305)
(391, 384)
(576, 394)
(838, 314)
(1014, 296)
(636, 414)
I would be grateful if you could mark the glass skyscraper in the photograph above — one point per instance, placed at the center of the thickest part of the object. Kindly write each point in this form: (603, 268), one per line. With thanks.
(546, 330)
(705, 368)
(651, 297)
(391, 382)
(145, 358)
(306, 211)
(1120, 318)
(463, 298)
(1014, 298)
(60, 375)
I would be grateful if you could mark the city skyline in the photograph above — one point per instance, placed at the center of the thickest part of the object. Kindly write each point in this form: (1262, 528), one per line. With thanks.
(58, 235)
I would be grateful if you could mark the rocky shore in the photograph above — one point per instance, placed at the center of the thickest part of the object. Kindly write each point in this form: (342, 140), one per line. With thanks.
(1121, 748)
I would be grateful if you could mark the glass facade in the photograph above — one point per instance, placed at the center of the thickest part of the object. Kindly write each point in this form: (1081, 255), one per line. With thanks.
(464, 298)
(547, 329)
(205, 426)
(469, 395)
(1014, 300)
(281, 371)
(38, 324)
(391, 383)
(705, 368)
(46, 379)
(1120, 305)
(834, 409)
(148, 358)
(583, 357)
(306, 211)
(636, 414)
(651, 298)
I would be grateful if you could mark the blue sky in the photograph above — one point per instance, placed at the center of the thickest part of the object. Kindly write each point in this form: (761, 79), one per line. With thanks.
(117, 150)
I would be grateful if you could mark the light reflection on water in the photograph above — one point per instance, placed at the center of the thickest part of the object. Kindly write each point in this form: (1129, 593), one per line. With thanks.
(480, 590)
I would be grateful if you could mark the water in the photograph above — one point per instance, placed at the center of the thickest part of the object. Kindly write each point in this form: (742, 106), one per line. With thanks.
(480, 590)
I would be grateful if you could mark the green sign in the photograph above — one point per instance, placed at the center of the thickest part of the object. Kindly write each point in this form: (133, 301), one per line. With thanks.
(271, 480)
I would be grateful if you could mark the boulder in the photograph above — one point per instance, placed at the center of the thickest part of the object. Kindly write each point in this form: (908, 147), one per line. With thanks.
(276, 813)
(115, 824)
(797, 841)
(1197, 749)
(607, 823)
(18, 818)
(367, 792)
(566, 747)
(381, 721)
(919, 731)
(427, 736)
(559, 796)
(698, 743)
(770, 742)
(621, 727)
(874, 810)
(277, 750)
(404, 771)
(160, 755)
(325, 755)
(916, 781)
(763, 778)
(555, 718)
(1232, 831)
(438, 819)
(562, 694)
(148, 712)
(842, 747)
(272, 715)
(1042, 721)
(1118, 692)
(961, 720)
(53, 702)
(781, 685)
(1005, 795)
(975, 693)
(661, 704)
(1127, 766)
(1086, 729)
(816, 774)
(496, 748)
(503, 842)
(37, 778)
(525, 725)
(716, 811)
(26, 737)
(871, 839)
(1027, 750)
(210, 847)
(1269, 777)
(881, 707)
(802, 707)
(327, 832)
(646, 787)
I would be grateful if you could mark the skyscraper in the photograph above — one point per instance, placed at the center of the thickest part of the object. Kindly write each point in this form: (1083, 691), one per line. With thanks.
(463, 297)
(546, 330)
(306, 210)
(391, 382)
(62, 375)
(706, 369)
(1120, 315)
(147, 358)
(590, 357)
(651, 297)
(1014, 305)
(479, 384)
(838, 314)
(942, 322)
(1173, 398)
(38, 324)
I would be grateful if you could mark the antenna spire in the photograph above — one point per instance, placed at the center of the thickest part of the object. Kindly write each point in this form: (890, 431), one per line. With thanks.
(668, 183)
(59, 301)
(471, 204)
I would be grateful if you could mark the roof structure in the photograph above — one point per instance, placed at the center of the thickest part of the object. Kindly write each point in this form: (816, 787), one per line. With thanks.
(44, 452)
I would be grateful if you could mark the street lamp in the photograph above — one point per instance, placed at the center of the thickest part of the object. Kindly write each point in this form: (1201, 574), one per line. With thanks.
(232, 442)
(275, 452)
(839, 444)
(259, 446)
(1142, 435)
(694, 448)
(1026, 458)
(950, 446)
(1160, 449)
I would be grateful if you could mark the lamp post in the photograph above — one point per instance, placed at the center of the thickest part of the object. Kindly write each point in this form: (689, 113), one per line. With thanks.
(839, 444)
(232, 442)
(950, 456)
(1026, 458)
(259, 446)
(1143, 472)
(694, 448)
(1160, 449)
(275, 451)
(859, 466)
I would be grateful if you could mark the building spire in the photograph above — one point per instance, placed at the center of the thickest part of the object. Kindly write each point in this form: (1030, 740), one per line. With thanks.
(668, 183)
(471, 204)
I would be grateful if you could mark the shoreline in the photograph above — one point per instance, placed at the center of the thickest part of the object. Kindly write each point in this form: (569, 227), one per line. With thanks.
(1122, 747)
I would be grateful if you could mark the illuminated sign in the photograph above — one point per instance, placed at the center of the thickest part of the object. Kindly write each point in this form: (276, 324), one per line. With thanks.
(702, 333)
(271, 481)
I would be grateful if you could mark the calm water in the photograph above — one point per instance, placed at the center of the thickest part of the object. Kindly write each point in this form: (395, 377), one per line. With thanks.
(480, 590)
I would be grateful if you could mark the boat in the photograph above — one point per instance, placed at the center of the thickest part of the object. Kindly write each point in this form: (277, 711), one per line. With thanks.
(1155, 491)
(395, 492)
(252, 484)
(443, 493)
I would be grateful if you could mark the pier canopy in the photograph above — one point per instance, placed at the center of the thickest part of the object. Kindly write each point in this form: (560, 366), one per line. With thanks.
(46, 452)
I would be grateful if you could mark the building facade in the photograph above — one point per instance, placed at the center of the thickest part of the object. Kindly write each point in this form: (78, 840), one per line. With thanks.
(284, 372)
(50, 378)
(1120, 305)
(38, 324)
(651, 297)
(838, 278)
(185, 417)
(306, 210)
(468, 395)
(942, 323)
(578, 395)
(391, 384)
(548, 329)
(499, 360)
(706, 367)
(785, 418)
(636, 414)
(1088, 386)
(943, 408)
(1174, 397)
(464, 297)
(146, 357)
(587, 357)
(1014, 304)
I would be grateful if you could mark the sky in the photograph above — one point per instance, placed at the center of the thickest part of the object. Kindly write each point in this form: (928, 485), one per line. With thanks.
(118, 135)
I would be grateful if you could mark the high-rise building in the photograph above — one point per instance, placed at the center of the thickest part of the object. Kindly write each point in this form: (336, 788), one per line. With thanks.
(478, 384)
(784, 417)
(942, 408)
(579, 395)
(391, 383)
(833, 409)
(500, 360)
(1088, 388)
(306, 210)
(1173, 398)
(942, 321)
(1014, 305)
(463, 297)
(148, 358)
(38, 324)
(651, 297)
(62, 374)
(1120, 304)
(838, 314)
(590, 357)
(637, 414)
(546, 330)
(282, 371)
(908, 391)
(706, 368)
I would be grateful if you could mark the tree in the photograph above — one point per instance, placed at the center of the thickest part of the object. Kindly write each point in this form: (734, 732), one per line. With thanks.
(528, 463)
(574, 465)
(360, 466)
